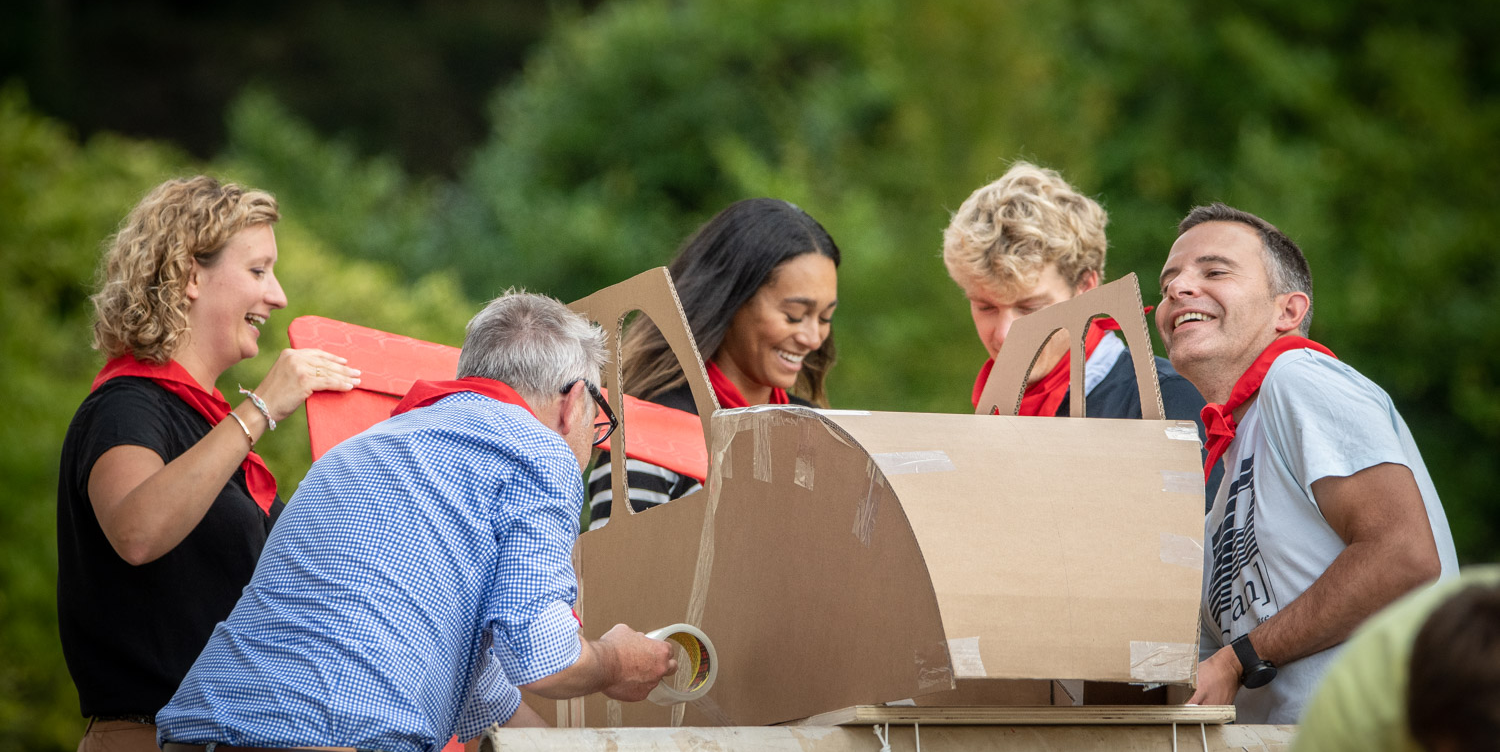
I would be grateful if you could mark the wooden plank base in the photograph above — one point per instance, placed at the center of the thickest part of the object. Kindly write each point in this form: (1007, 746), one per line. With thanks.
(1082, 715)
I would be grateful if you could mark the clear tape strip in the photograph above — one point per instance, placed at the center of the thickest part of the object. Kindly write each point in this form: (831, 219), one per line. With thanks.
(1177, 481)
(762, 465)
(1168, 662)
(1184, 430)
(1182, 551)
(967, 662)
(864, 516)
(902, 463)
(802, 473)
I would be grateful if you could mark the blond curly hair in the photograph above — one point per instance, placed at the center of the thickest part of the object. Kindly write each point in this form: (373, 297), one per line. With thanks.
(1005, 233)
(141, 305)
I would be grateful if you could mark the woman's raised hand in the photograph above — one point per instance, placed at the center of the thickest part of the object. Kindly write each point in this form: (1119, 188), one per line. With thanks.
(298, 373)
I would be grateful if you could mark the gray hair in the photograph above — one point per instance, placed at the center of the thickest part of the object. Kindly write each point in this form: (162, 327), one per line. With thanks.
(1286, 264)
(533, 343)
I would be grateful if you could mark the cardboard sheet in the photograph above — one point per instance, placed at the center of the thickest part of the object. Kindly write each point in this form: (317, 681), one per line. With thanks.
(851, 557)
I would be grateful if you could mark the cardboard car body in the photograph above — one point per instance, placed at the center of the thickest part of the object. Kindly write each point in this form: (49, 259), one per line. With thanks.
(847, 557)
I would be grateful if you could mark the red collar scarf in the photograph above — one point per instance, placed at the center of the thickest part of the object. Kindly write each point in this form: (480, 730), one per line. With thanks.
(1045, 396)
(424, 393)
(1218, 420)
(729, 394)
(213, 407)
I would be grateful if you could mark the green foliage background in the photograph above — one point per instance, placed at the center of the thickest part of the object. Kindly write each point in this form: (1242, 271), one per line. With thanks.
(1365, 130)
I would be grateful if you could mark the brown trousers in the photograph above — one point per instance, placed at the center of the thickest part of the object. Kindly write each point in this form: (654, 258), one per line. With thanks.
(118, 736)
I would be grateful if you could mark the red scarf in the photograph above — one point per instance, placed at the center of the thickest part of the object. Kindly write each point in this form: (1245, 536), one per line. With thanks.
(213, 407)
(729, 394)
(424, 393)
(1218, 420)
(1046, 395)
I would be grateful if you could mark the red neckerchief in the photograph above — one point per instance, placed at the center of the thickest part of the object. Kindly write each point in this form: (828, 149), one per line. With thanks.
(1218, 420)
(1045, 396)
(213, 407)
(729, 394)
(424, 393)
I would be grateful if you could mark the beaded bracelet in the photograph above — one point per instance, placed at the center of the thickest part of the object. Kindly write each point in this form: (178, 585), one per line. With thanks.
(260, 405)
(243, 427)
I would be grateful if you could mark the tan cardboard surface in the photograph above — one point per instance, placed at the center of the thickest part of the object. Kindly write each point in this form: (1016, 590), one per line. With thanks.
(842, 558)
(1049, 566)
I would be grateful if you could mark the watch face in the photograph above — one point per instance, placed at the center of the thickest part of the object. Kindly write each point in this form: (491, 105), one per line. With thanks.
(1259, 676)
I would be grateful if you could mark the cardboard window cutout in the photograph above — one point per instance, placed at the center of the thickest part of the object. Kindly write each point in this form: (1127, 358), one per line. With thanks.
(652, 294)
(1119, 300)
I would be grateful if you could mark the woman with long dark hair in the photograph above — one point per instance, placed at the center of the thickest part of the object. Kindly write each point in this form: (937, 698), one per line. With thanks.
(759, 285)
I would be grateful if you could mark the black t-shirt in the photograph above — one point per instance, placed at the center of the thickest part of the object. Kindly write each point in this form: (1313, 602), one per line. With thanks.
(130, 634)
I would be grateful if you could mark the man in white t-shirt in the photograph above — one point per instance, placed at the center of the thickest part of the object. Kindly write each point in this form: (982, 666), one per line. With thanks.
(1326, 512)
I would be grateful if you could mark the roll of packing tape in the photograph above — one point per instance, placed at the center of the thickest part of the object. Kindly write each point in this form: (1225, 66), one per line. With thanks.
(701, 657)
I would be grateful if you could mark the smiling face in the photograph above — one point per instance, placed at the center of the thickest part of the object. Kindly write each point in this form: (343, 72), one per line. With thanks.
(1218, 311)
(994, 311)
(787, 318)
(231, 298)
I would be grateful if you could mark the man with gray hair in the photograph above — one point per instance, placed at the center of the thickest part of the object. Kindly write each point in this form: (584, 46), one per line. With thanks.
(1326, 512)
(422, 571)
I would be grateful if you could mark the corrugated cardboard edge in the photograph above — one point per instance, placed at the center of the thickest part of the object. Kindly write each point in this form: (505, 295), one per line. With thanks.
(1119, 300)
(652, 293)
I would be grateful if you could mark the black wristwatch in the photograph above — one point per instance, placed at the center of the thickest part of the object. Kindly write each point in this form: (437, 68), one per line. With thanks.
(1257, 672)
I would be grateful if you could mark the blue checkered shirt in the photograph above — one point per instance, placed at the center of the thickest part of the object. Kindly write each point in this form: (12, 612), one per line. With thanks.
(420, 573)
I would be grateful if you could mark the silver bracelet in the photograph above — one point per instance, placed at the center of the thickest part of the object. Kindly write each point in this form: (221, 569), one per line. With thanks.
(243, 427)
(260, 405)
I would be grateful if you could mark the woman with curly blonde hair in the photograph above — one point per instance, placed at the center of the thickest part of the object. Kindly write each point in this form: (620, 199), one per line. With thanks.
(162, 505)
(1025, 242)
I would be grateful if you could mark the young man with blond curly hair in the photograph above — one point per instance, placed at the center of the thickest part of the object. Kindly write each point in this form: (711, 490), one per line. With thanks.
(1028, 241)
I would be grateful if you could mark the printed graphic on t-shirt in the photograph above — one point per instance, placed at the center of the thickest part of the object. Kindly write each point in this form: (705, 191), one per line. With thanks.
(1240, 584)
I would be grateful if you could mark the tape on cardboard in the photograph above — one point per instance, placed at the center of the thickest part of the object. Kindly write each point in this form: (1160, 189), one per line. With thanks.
(1184, 430)
(1177, 481)
(902, 463)
(841, 412)
(1165, 662)
(967, 662)
(702, 661)
(934, 667)
(803, 474)
(1182, 551)
(761, 465)
(864, 515)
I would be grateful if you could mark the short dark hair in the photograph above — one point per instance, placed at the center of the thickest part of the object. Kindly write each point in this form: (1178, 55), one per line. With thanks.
(1453, 694)
(1288, 267)
(717, 270)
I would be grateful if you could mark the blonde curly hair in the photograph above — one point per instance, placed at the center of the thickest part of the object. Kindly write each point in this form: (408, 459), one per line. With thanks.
(1005, 233)
(141, 305)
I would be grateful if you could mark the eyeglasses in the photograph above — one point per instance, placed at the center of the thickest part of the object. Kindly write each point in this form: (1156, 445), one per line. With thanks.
(604, 429)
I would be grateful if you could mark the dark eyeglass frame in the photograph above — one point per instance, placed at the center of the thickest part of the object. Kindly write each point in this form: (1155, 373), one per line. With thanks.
(608, 427)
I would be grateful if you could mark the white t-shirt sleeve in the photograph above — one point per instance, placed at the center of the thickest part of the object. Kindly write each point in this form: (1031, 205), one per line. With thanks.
(1327, 420)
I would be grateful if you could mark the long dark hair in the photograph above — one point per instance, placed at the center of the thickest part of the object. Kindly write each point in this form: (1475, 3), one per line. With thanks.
(717, 270)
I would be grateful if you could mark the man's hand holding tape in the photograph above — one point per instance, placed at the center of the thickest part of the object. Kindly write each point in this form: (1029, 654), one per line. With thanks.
(623, 664)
